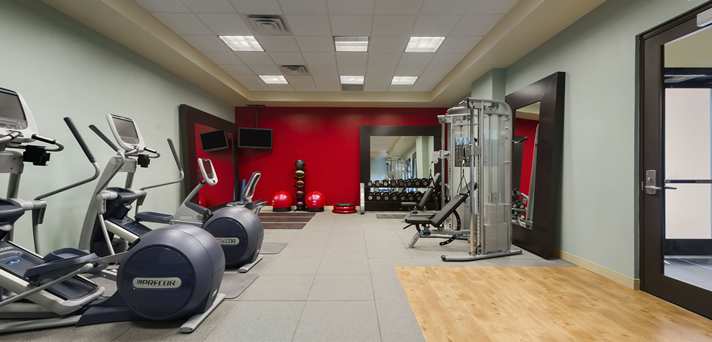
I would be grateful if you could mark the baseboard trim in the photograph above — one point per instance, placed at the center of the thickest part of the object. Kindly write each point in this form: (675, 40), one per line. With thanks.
(622, 279)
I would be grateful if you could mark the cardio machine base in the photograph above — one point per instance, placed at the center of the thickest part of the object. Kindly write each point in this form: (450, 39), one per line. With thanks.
(246, 268)
(467, 258)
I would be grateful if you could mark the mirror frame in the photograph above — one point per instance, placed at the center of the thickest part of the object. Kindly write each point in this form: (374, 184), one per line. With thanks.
(368, 131)
(544, 237)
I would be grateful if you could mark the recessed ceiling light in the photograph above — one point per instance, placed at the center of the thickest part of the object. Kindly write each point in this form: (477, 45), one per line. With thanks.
(424, 44)
(242, 43)
(351, 44)
(351, 79)
(273, 79)
(403, 80)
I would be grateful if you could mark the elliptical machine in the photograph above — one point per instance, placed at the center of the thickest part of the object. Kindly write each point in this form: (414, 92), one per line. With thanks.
(171, 274)
(108, 229)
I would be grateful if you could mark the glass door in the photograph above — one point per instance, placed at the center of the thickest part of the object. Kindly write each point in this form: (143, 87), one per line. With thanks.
(676, 162)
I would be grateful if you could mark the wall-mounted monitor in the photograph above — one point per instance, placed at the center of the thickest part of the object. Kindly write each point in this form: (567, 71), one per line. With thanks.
(214, 141)
(260, 138)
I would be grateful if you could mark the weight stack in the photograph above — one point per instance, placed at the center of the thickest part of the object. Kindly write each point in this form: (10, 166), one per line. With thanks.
(299, 174)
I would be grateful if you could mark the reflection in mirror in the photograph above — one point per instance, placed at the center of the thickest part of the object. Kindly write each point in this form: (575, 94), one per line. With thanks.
(687, 241)
(526, 131)
(401, 157)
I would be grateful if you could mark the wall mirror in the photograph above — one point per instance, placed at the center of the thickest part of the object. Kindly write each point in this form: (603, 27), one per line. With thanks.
(397, 164)
(537, 152)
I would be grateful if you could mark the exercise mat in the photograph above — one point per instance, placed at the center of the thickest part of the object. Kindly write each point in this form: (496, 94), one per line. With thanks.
(272, 247)
(234, 283)
(286, 220)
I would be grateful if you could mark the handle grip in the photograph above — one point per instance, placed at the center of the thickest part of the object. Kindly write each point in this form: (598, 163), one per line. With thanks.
(103, 137)
(79, 139)
(175, 153)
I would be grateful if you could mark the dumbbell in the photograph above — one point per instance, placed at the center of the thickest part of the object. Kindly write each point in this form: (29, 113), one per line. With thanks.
(299, 174)
(299, 184)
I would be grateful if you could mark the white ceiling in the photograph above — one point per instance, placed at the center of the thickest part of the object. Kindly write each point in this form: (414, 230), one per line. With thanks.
(388, 23)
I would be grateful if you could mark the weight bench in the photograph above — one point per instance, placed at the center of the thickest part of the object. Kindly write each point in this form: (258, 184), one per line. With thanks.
(425, 222)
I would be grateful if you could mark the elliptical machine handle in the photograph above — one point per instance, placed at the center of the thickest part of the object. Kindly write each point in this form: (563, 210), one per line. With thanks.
(103, 137)
(175, 154)
(79, 139)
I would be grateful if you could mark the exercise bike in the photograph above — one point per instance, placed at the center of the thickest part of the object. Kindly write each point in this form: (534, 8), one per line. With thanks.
(108, 228)
(171, 274)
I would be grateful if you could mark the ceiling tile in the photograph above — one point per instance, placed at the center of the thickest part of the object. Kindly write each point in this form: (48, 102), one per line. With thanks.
(278, 87)
(446, 59)
(401, 7)
(257, 6)
(175, 6)
(351, 25)
(287, 58)
(223, 57)
(301, 82)
(446, 7)
(320, 58)
(352, 63)
(434, 25)
(393, 43)
(316, 43)
(351, 7)
(183, 23)
(225, 24)
(206, 42)
(304, 7)
(377, 81)
(383, 63)
(392, 24)
(476, 25)
(324, 72)
(413, 64)
(265, 69)
(309, 25)
(254, 58)
(489, 6)
(278, 43)
(327, 84)
(209, 6)
(459, 43)
(237, 69)
(251, 81)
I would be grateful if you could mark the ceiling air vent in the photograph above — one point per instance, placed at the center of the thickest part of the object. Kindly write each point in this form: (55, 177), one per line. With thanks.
(294, 70)
(268, 25)
(352, 87)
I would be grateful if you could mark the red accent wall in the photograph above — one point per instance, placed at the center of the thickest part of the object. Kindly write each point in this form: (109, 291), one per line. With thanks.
(526, 128)
(327, 139)
(221, 193)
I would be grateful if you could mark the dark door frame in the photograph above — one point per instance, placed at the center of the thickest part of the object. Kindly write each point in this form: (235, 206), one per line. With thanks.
(188, 118)
(544, 237)
(650, 71)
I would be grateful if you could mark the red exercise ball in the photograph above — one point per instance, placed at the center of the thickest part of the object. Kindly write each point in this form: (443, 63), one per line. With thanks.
(282, 201)
(315, 201)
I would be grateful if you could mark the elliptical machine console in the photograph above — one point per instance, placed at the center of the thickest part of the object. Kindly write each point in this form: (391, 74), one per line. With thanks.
(171, 274)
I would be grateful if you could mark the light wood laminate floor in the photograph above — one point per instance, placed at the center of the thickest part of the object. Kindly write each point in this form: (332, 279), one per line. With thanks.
(540, 304)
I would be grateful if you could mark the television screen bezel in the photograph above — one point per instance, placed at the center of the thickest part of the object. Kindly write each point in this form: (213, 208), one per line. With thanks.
(239, 138)
(221, 148)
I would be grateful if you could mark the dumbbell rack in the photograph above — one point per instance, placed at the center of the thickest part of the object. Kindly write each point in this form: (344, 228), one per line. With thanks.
(389, 196)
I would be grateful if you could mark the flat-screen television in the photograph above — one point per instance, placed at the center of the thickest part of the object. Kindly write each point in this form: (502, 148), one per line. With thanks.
(214, 141)
(254, 138)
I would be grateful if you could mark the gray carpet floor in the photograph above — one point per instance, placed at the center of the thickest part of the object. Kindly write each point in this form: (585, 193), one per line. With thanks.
(335, 281)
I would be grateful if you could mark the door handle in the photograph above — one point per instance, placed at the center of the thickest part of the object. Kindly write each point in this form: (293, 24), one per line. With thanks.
(658, 188)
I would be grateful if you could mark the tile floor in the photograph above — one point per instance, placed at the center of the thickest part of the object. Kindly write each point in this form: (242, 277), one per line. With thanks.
(334, 281)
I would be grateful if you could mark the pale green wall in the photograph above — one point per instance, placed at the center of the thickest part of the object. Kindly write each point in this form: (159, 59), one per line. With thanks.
(599, 179)
(490, 86)
(63, 68)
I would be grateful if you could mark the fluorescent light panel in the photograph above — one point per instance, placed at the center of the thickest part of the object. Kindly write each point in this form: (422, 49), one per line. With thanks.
(351, 79)
(273, 79)
(242, 43)
(424, 44)
(351, 44)
(403, 80)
